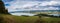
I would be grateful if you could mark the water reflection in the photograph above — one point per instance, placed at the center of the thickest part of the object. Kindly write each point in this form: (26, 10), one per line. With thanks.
(55, 14)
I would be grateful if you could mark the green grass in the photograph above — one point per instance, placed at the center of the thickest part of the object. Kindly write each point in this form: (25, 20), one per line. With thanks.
(30, 19)
(51, 19)
(20, 19)
(23, 19)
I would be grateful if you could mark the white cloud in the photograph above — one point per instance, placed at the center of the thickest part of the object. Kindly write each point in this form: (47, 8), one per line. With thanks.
(31, 5)
(51, 8)
(49, 3)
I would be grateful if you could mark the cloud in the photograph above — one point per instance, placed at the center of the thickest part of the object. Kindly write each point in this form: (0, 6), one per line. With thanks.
(32, 5)
(49, 3)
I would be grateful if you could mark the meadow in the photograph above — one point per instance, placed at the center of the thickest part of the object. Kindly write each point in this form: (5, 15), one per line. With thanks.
(29, 19)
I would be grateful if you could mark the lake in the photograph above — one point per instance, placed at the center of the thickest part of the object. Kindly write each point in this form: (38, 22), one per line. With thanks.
(30, 14)
(19, 14)
(55, 14)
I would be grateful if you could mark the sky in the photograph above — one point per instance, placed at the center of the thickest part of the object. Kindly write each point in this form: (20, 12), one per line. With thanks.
(27, 5)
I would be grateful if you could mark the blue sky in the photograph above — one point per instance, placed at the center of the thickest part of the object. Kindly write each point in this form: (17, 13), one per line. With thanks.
(27, 5)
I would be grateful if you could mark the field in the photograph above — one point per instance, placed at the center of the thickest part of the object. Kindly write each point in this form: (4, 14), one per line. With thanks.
(30, 19)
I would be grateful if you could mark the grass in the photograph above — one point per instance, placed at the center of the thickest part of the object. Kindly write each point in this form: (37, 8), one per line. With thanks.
(30, 19)
(22, 19)
(51, 19)
(19, 19)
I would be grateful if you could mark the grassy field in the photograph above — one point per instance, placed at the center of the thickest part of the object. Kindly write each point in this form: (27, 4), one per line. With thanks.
(30, 19)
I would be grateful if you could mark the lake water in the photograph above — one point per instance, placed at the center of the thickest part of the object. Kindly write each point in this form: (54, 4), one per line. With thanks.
(30, 14)
(19, 14)
(55, 14)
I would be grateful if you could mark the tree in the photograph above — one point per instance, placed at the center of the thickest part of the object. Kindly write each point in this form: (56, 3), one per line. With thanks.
(2, 8)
